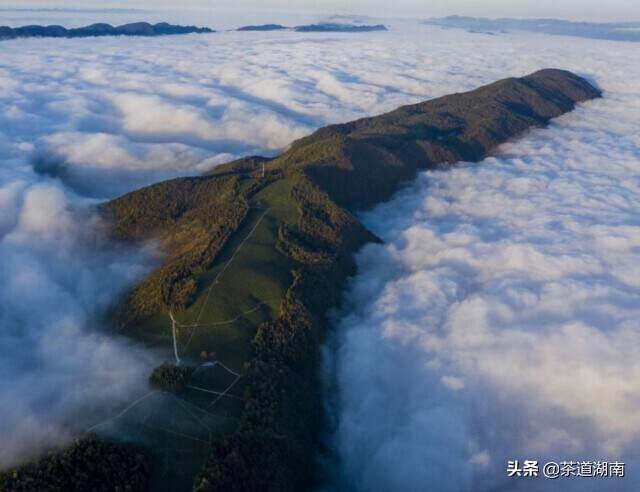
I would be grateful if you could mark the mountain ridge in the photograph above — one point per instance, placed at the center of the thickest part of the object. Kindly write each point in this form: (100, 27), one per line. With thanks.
(261, 248)
(330, 174)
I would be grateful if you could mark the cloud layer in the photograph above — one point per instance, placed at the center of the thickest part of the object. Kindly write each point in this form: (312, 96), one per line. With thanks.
(109, 116)
(59, 368)
(500, 319)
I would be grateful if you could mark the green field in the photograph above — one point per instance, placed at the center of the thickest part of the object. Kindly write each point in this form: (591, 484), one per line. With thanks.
(230, 304)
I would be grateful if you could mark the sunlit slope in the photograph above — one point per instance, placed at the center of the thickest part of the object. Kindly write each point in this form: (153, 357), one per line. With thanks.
(364, 161)
(223, 274)
(201, 223)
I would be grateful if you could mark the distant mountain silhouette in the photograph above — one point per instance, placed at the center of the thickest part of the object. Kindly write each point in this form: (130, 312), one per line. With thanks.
(330, 27)
(323, 27)
(264, 27)
(615, 31)
(163, 29)
(134, 29)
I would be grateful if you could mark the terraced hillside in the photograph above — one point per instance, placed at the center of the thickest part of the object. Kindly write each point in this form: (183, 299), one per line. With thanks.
(254, 254)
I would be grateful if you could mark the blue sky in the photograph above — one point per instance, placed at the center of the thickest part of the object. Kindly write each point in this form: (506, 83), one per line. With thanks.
(570, 9)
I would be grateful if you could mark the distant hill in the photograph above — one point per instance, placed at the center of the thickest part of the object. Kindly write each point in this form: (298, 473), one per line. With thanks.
(331, 27)
(325, 27)
(163, 29)
(264, 27)
(134, 29)
(615, 31)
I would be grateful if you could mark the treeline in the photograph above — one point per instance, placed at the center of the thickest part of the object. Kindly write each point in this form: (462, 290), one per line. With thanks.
(170, 377)
(191, 220)
(87, 465)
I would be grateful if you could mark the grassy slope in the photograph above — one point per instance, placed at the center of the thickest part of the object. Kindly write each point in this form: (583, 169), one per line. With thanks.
(258, 277)
(252, 279)
(247, 293)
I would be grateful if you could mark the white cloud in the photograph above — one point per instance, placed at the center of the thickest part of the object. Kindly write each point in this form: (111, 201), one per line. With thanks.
(150, 115)
(104, 165)
(59, 368)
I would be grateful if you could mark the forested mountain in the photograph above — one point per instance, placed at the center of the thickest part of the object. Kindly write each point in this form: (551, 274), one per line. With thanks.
(256, 252)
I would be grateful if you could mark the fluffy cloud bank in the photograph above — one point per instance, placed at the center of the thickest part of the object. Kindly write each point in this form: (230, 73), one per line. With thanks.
(108, 116)
(500, 319)
(59, 368)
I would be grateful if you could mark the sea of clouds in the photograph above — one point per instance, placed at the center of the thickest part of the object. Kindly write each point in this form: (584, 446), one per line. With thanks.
(498, 320)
